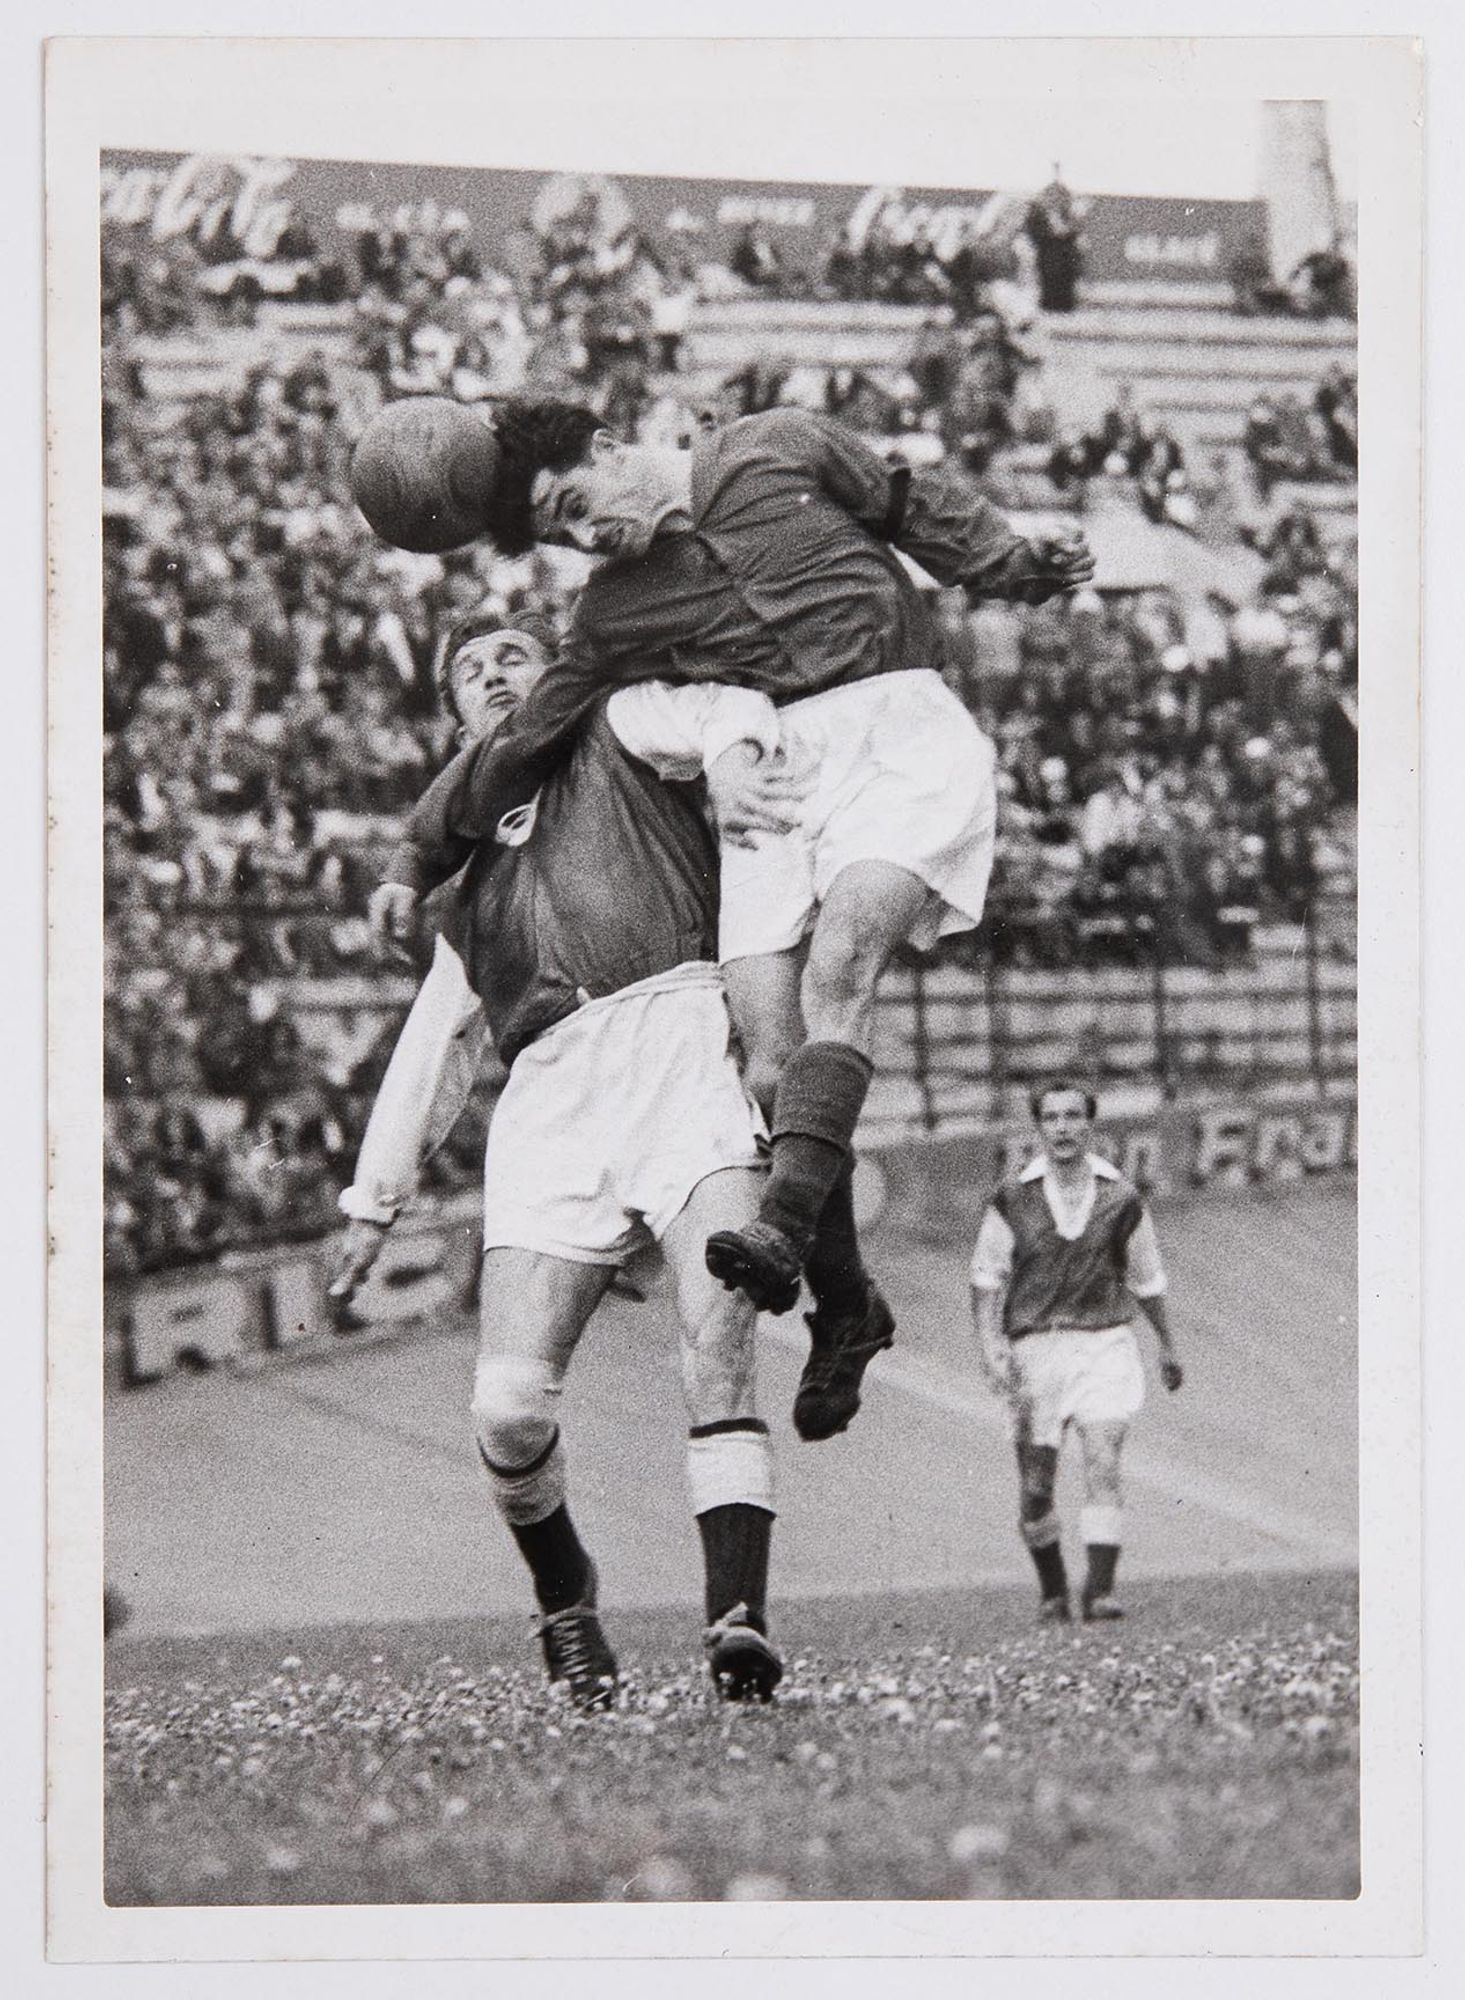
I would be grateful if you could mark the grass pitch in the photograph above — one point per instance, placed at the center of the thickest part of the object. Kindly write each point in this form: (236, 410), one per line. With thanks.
(930, 1746)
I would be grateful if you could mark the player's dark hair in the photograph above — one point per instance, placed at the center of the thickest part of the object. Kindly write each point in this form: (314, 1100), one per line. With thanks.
(534, 436)
(478, 625)
(1047, 1088)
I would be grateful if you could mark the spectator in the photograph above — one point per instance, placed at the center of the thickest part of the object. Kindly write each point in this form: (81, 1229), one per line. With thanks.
(1118, 444)
(1159, 469)
(1265, 446)
(1071, 465)
(755, 260)
(1321, 285)
(977, 421)
(1336, 403)
(1054, 228)
(671, 312)
(1167, 780)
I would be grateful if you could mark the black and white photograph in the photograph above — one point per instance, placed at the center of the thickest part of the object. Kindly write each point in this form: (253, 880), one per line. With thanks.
(710, 1156)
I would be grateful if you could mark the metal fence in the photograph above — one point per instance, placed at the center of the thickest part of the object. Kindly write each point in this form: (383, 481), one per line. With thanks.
(958, 1045)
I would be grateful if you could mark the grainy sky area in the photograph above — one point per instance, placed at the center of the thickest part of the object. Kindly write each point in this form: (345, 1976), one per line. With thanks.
(1203, 147)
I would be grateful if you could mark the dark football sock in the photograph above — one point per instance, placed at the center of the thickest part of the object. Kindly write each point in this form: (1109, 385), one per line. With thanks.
(1052, 1576)
(735, 1543)
(815, 1110)
(1103, 1561)
(835, 1270)
(556, 1558)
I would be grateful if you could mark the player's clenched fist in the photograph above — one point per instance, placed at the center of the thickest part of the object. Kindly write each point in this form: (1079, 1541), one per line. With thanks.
(358, 1253)
(1045, 566)
(392, 913)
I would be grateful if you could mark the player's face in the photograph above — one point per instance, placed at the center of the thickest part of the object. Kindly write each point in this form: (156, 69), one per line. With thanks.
(490, 676)
(1063, 1120)
(611, 504)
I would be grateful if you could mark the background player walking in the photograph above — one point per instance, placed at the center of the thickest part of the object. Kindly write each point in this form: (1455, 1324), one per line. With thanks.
(1065, 1249)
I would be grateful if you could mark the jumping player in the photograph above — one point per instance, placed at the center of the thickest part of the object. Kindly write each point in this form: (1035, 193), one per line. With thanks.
(1064, 1251)
(767, 557)
(584, 937)
(835, 777)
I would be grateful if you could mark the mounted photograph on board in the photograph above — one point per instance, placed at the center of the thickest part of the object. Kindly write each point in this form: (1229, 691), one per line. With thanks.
(711, 1151)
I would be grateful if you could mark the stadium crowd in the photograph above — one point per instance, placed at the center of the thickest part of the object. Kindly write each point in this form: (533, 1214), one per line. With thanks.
(1285, 440)
(1165, 777)
(269, 705)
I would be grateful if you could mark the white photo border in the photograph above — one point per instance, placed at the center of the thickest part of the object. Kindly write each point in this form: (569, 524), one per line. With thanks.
(865, 111)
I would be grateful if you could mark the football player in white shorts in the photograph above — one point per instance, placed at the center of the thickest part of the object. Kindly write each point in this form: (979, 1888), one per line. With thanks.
(887, 784)
(584, 939)
(1065, 1252)
(769, 557)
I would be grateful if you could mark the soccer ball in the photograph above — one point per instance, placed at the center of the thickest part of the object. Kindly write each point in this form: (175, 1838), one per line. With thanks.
(423, 474)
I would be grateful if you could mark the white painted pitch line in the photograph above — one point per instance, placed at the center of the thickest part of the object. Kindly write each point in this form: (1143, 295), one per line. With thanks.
(1184, 1486)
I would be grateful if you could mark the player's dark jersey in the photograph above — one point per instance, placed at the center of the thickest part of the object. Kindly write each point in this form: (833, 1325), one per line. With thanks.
(787, 581)
(615, 882)
(1058, 1283)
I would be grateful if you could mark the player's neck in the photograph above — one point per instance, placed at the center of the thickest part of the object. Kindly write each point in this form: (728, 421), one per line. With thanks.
(1070, 1175)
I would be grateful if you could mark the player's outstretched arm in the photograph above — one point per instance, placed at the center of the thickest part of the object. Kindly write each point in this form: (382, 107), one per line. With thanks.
(682, 731)
(426, 1085)
(935, 518)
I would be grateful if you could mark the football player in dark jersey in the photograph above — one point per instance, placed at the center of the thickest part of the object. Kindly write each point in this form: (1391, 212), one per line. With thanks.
(583, 938)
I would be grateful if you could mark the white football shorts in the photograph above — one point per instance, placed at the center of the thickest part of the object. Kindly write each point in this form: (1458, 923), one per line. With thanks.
(1074, 1375)
(610, 1119)
(903, 775)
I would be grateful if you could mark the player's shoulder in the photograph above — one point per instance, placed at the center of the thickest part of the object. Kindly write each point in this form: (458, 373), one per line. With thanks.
(782, 428)
(781, 416)
(598, 597)
(1009, 1189)
(1118, 1188)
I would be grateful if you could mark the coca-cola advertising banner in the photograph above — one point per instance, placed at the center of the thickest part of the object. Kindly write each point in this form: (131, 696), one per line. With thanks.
(242, 206)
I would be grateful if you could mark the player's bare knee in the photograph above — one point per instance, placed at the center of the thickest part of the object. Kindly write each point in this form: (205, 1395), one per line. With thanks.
(515, 1404)
(1035, 1499)
(1101, 1456)
(517, 1431)
(1037, 1472)
(1037, 1483)
(1102, 1485)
